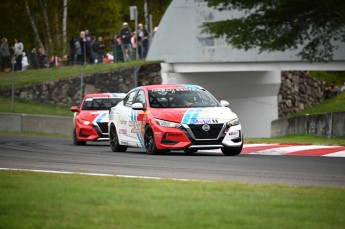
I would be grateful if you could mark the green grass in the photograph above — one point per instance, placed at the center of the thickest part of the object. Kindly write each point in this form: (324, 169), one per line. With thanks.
(40, 200)
(28, 107)
(329, 76)
(299, 139)
(52, 74)
(334, 104)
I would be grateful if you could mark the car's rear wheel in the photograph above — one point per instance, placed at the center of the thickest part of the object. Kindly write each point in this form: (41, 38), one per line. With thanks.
(232, 151)
(190, 151)
(114, 141)
(76, 141)
(149, 140)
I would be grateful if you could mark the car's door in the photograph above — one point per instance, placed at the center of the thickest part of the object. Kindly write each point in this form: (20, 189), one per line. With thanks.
(124, 122)
(137, 122)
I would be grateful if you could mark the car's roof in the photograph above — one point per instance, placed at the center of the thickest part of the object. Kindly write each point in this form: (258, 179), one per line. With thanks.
(105, 95)
(171, 86)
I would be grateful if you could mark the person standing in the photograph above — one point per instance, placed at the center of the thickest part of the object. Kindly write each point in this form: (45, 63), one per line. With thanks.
(101, 47)
(5, 55)
(34, 59)
(125, 35)
(143, 41)
(82, 42)
(18, 53)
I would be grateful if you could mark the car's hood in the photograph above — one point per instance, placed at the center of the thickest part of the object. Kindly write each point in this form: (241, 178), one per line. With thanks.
(195, 115)
(94, 116)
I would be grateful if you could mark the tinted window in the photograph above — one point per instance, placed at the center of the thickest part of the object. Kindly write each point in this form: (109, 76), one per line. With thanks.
(128, 100)
(100, 103)
(140, 97)
(175, 98)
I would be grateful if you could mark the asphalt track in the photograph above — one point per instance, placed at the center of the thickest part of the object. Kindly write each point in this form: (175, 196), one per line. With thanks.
(258, 163)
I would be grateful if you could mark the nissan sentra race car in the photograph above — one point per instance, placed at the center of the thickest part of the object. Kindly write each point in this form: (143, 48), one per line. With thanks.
(90, 122)
(161, 118)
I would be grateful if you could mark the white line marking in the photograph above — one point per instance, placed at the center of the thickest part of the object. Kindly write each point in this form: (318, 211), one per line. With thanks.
(98, 174)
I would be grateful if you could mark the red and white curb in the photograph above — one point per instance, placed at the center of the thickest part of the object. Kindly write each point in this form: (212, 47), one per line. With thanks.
(289, 150)
(294, 150)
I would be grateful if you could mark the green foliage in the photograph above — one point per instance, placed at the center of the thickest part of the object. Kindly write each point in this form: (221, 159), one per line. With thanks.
(102, 17)
(280, 25)
(41, 200)
(334, 104)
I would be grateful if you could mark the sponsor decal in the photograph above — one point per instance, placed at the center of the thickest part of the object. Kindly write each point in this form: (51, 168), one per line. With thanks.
(174, 134)
(203, 121)
(234, 134)
(122, 131)
(135, 130)
(123, 122)
(158, 134)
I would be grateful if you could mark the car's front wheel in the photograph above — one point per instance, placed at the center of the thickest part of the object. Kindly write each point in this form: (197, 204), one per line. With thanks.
(114, 141)
(232, 151)
(76, 141)
(149, 140)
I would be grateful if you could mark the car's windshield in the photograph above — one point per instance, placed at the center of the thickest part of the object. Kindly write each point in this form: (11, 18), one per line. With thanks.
(100, 103)
(180, 98)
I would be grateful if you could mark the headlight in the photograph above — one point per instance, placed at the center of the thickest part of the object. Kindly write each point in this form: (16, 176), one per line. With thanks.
(234, 122)
(85, 122)
(167, 123)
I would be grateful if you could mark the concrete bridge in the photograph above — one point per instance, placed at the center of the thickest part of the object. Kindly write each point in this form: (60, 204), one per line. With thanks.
(249, 80)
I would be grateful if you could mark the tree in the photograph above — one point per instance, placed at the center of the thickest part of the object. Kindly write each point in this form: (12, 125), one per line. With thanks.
(50, 24)
(318, 26)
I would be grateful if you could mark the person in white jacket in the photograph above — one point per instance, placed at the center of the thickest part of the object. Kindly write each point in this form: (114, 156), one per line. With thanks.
(25, 62)
(18, 53)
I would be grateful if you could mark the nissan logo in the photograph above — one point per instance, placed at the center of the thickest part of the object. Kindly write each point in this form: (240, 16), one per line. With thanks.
(206, 127)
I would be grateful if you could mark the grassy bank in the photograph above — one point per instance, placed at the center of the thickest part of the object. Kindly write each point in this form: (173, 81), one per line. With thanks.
(28, 107)
(333, 104)
(40, 200)
(53, 74)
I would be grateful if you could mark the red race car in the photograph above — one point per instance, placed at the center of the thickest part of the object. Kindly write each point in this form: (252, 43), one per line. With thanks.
(90, 122)
(184, 117)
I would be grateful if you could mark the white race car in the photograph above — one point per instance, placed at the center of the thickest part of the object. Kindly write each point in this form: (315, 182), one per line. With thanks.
(174, 117)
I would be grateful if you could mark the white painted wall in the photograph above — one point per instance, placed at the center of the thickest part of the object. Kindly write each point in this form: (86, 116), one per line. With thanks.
(252, 95)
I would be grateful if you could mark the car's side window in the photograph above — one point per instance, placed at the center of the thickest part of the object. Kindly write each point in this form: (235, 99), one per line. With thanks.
(140, 97)
(128, 100)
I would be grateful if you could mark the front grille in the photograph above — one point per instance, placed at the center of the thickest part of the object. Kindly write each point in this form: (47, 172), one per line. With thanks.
(199, 133)
(207, 142)
(103, 126)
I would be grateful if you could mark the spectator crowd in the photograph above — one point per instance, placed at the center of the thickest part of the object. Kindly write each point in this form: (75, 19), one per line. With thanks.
(86, 49)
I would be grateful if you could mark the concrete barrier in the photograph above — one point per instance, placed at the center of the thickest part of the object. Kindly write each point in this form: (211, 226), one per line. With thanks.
(329, 125)
(11, 122)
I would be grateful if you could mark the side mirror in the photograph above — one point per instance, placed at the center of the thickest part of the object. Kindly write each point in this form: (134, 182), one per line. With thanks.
(138, 106)
(74, 109)
(224, 103)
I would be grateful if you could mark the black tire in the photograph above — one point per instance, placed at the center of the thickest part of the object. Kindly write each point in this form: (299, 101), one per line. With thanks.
(76, 141)
(149, 141)
(232, 151)
(114, 141)
(190, 151)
